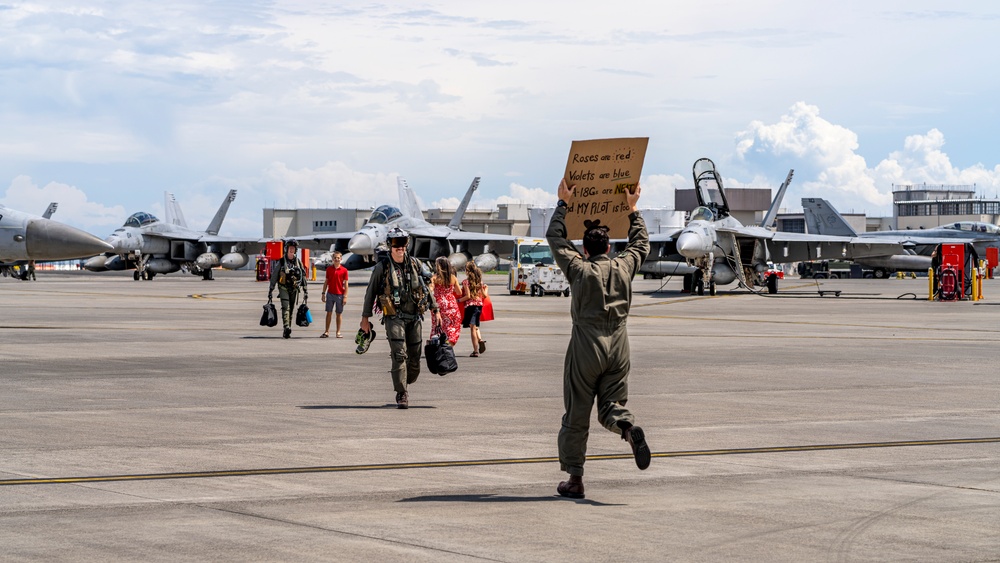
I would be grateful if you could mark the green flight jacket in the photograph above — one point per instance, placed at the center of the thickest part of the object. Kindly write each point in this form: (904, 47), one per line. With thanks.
(408, 304)
(601, 286)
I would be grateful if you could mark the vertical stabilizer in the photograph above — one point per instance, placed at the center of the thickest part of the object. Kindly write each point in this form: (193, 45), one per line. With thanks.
(220, 215)
(172, 211)
(772, 212)
(408, 200)
(50, 210)
(823, 219)
(456, 219)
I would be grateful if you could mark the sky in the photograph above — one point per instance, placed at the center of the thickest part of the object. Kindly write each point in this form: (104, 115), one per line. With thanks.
(106, 105)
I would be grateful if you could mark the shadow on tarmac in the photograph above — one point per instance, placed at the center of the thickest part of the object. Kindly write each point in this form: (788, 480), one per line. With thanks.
(385, 406)
(501, 498)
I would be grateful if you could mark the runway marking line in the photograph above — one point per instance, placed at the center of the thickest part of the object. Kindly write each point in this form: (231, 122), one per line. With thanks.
(481, 462)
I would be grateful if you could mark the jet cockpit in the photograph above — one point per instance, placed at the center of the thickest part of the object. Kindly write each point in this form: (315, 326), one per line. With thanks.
(702, 214)
(384, 214)
(140, 219)
(973, 227)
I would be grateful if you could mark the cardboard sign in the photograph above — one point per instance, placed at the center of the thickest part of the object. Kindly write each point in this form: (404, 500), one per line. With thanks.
(603, 171)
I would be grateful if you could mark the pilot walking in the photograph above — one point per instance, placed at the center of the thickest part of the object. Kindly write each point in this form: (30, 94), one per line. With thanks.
(597, 359)
(398, 289)
(289, 274)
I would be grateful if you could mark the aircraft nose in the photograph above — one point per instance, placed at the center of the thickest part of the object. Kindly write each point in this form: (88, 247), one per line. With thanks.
(691, 245)
(51, 240)
(361, 243)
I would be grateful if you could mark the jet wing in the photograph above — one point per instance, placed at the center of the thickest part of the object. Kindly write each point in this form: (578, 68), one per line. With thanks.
(796, 247)
(249, 244)
(325, 240)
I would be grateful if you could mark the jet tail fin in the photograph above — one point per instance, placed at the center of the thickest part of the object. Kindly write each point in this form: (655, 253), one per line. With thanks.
(456, 219)
(772, 211)
(50, 210)
(408, 200)
(823, 219)
(172, 211)
(220, 215)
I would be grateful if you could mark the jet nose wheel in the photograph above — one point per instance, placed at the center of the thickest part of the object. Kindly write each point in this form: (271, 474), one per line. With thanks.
(135, 275)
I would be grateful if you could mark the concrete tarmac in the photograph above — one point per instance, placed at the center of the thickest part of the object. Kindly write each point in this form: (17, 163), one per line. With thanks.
(157, 421)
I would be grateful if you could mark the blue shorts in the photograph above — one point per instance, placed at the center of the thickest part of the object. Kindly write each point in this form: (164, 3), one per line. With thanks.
(472, 313)
(333, 299)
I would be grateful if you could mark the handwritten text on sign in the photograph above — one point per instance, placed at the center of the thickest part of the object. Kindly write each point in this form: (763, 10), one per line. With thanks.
(603, 171)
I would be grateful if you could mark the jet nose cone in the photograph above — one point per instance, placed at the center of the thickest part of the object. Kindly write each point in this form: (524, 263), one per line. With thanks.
(51, 240)
(361, 243)
(691, 245)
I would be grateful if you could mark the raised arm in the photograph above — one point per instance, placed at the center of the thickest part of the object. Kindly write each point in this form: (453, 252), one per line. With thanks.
(562, 249)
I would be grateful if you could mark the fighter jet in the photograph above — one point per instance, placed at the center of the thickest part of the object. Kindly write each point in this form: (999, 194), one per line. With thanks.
(822, 218)
(724, 250)
(427, 241)
(25, 237)
(151, 246)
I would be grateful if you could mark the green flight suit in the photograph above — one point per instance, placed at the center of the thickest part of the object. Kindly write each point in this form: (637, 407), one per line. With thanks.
(288, 292)
(597, 359)
(404, 330)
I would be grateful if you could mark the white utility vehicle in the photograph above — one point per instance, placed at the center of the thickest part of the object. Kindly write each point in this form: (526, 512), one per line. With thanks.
(533, 270)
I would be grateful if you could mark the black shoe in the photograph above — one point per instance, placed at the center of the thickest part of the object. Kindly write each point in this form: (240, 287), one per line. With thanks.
(287, 333)
(402, 400)
(637, 439)
(482, 346)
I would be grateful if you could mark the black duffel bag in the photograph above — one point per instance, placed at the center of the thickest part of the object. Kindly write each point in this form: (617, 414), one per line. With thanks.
(303, 317)
(270, 315)
(440, 355)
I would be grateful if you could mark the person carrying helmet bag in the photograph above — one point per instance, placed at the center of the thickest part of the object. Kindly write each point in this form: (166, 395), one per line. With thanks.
(289, 274)
(399, 293)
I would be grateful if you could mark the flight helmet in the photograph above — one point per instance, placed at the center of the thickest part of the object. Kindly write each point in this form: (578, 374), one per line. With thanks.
(397, 237)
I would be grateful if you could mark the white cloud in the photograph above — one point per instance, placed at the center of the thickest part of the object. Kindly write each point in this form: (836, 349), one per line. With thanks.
(331, 185)
(74, 206)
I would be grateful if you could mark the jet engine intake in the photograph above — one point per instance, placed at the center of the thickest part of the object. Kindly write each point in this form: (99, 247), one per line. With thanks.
(234, 260)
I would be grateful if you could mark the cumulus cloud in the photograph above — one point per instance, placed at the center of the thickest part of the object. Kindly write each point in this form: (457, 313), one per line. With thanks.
(827, 164)
(75, 208)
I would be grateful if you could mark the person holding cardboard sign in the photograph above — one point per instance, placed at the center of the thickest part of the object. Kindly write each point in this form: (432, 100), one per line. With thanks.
(597, 360)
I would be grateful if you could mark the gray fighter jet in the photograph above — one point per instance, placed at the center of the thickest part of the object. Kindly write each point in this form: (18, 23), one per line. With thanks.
(822, 218)
(427, 241)
(151, 246)
(724, 250)
(25, 237)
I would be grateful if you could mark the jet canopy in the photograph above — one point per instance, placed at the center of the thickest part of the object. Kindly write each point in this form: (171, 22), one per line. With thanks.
(384, 214)
(702, 214)
(708, 187)
(973, 227)
(140, 219)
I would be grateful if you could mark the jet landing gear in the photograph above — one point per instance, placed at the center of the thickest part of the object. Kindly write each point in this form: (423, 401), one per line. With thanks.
(699, 284)
(772, 284)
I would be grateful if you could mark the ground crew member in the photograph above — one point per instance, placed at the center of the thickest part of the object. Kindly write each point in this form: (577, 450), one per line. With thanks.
(398, 289)
(289, 274)
(597, 359)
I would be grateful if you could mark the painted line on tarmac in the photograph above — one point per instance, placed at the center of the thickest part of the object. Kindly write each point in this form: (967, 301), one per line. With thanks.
(480, 462)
